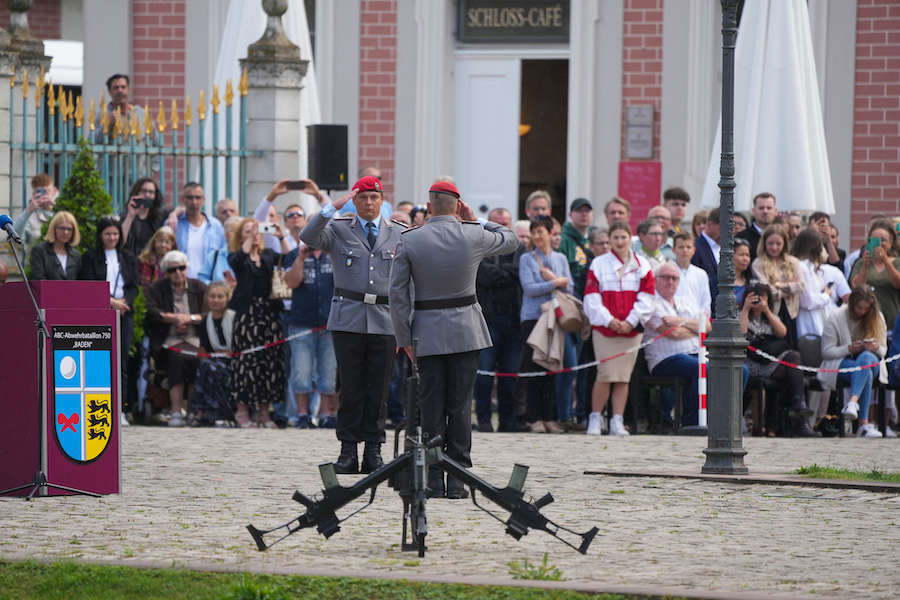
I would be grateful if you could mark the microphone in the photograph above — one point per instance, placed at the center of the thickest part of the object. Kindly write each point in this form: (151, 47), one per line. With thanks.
(7, 225)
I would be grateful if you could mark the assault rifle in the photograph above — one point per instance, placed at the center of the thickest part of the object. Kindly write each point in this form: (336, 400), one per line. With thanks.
(408, 474)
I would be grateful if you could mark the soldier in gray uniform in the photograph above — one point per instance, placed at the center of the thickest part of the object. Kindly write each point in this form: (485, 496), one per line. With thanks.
(361, 247)
(439, 261)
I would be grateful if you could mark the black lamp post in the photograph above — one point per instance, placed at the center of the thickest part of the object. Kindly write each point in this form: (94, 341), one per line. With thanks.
(726, 343)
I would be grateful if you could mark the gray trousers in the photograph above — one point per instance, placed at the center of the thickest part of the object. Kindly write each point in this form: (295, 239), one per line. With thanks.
(446, 385)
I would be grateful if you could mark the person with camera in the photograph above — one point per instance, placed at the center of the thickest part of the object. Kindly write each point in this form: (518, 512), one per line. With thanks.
(436, 264)
(257, 378)
(142, 216)
(765, 331)
(361, 248)
(38, 211)
(879, 268)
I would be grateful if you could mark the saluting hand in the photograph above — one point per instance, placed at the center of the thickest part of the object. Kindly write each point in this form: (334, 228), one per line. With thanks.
(340, 202)
(464, 212)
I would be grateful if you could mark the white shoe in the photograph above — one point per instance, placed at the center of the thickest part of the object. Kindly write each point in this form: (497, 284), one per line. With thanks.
(868, 431)
(595, 424)
(123, 420)
(889, 433)
(851, 410)
(176, 420)
(617, 426)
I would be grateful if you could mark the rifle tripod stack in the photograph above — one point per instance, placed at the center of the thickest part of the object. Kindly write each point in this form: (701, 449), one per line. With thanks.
(408, 474)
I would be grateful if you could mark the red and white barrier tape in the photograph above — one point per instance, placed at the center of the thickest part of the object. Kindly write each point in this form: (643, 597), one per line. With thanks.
(579, 367)
(248, 350)
(775, 359)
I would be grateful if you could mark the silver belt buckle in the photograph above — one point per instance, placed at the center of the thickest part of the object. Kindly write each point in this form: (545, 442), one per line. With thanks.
(370, 298)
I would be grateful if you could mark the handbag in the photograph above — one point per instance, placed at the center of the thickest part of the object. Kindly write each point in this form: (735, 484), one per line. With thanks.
(569, 310)
(280, 290)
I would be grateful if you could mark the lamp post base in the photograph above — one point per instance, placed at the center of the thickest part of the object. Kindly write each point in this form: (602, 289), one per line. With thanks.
(725, 461)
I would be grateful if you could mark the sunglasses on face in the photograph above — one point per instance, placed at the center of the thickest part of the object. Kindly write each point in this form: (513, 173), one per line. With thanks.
(171, 270)
(64, 228)
(291, 215)
(198, 197)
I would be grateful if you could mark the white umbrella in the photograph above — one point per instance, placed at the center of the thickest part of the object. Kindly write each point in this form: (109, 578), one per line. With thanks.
(779, 134)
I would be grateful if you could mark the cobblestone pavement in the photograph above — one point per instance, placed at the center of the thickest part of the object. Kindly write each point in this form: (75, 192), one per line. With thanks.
(187, 495)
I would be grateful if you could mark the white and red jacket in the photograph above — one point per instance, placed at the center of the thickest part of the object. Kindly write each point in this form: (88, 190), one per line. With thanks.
(617, 290)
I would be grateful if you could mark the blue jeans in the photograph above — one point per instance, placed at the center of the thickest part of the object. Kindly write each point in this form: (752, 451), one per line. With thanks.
(562, 382)
(860, 381)
(504, 357)
(312, 358)
(687, 367)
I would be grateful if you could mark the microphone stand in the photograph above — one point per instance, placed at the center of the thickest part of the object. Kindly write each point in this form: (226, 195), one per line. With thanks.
(40, 481)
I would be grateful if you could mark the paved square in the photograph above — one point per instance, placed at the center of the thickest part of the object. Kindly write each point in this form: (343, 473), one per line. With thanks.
(188, 493)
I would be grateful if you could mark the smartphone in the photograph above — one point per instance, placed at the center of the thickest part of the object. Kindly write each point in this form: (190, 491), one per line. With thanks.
(267, 228)
(874, 242)
(867, 340)
(296, 185)
(41, 191)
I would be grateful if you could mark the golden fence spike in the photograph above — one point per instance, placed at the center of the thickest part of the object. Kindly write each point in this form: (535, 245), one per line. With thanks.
(215, 99)
(201, 106)
(133, 125)
(51, 101)
(39, 89)
(117, 126)
(187, 111)
(70, 106)
(161, 118)
(174, 115)
(229, 93)
(79, 112)
(244, 85)
(12, 76)
(63, 108)
(104, 117)
(92, 116)
(148, 122)
(25, 83)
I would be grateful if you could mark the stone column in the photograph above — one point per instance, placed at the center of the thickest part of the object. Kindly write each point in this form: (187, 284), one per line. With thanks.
(7, 60)
(275, 73)
(27, 53)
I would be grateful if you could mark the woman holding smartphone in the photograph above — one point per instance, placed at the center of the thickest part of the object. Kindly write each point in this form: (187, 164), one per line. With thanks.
(879, 268)
(855, 336)
(766, 332)
(775, 267)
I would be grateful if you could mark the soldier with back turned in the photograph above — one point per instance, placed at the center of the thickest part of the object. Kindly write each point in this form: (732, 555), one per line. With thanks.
(437, 264)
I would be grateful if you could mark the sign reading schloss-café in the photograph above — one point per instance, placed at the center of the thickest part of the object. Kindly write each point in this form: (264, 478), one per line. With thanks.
(513, 21)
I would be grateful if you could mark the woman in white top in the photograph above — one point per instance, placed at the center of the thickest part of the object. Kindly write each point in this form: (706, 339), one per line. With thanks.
(815, 297)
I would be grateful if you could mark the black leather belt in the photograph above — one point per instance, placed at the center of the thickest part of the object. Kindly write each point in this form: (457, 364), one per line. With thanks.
(366, 298)
(445, 303)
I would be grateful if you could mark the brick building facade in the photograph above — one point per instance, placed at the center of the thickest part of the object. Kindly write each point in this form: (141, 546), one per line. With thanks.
(399, 89)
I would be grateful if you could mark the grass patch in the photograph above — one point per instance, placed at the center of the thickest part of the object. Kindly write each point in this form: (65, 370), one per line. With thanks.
(526, 570)
(61, 580)
(823, 472)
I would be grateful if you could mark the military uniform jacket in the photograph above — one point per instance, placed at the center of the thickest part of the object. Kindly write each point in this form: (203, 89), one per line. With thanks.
(357, 268)
(439, 260)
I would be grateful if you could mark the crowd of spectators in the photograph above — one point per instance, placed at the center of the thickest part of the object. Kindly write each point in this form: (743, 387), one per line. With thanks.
(646, 296)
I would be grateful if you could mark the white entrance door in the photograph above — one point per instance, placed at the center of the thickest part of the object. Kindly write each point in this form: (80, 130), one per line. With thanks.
(486, 136)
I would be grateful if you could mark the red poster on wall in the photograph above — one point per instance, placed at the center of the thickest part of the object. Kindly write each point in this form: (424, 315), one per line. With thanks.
(640, 182)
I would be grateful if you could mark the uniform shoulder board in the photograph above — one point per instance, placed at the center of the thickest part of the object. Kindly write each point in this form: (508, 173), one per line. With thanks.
(347, 217)
(400, 223)
(473, 222)
(410, 229)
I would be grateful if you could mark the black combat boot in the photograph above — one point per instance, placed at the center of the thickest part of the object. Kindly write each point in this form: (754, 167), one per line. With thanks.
(799, 409)
(371, 458)
(435, 483)
(456, 490)
(347, 462)
(801, 428)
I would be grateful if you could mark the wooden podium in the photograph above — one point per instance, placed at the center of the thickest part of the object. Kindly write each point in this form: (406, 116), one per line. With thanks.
(60, 407)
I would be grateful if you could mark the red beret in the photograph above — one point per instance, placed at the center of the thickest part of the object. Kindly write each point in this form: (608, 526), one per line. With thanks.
(445, 187)
(368, 184)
